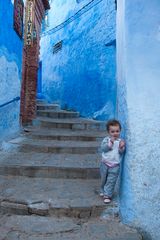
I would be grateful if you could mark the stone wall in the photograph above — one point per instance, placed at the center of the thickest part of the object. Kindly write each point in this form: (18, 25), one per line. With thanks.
(138, 58)
(81, 76)
(10, 70)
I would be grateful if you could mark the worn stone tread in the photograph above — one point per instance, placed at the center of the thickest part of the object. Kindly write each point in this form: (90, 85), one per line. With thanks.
(44, 104)
(57, 111)
(54, 143)
(37, 131)
(53, 228)
(47, 165)
(69, 123)
(50, 160)
(46, 196)
(24, 144)
(40, 189)
(70, 120)
(57, 114)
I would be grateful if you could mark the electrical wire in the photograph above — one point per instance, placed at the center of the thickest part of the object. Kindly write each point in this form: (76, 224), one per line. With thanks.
(83, 10)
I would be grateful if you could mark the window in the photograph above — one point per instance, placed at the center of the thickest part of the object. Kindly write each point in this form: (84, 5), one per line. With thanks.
(57, 47)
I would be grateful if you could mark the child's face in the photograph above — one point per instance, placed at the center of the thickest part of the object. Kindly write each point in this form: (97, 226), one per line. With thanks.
(114, 132)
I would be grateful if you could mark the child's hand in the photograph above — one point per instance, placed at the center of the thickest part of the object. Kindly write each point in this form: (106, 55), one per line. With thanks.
(122, 146)
(110, 143)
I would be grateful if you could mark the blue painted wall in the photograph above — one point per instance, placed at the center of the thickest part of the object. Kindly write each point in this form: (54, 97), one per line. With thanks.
(138, 60)
(82, 75)
(10, 70)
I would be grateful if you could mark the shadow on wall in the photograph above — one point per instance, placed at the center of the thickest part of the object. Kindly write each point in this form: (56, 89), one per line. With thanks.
(9, 122)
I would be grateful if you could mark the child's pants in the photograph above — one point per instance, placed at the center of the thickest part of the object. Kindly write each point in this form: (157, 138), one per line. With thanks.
(108, 179)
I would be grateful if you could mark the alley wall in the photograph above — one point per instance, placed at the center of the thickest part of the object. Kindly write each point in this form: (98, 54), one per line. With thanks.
(10, 71)
(138, 58)
(82, 74)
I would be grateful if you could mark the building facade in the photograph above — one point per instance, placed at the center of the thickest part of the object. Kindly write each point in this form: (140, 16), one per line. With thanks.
(78, 54)
(11, 44)
(138, 59)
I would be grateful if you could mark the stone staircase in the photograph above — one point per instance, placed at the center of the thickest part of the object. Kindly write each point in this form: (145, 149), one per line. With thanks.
(49, 182)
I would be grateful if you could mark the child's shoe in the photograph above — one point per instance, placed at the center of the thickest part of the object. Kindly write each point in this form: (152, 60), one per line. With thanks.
(101, 194)
(106, 199)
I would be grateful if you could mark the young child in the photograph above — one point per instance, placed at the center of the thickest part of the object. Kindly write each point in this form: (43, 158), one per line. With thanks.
(112, 150)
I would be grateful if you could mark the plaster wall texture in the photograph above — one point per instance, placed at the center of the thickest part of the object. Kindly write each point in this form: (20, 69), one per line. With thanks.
(10, 70)
(138, 38)
(82, 75)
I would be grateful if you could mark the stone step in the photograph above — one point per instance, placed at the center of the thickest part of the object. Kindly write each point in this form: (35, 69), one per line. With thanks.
(57, 114)
(45, 106)
(64, 134)
(53, 228)
(70, 166)
(53, 197)
(50, 172)
(53, 146)
(41, 101)
(72, 123)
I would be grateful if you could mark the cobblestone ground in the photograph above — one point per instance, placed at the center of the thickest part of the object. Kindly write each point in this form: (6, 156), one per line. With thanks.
(49, 228)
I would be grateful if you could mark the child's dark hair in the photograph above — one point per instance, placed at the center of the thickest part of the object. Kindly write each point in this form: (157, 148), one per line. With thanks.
(113, 122)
